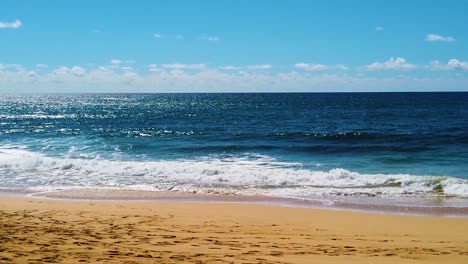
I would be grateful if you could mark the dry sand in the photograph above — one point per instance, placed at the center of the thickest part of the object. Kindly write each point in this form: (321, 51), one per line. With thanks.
(39, 231)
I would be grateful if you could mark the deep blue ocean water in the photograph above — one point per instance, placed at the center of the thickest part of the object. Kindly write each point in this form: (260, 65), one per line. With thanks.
(277, 144)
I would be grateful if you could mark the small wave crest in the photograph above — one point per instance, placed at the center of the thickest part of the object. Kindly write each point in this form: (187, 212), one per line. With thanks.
(35, 116)
(243, 175)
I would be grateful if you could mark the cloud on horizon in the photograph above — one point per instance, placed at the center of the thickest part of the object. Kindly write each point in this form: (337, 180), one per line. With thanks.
(319, 67)
(179, 66)
(391, 64)
(452, 64)
(229, 68)
(259, 67)
(201, 78)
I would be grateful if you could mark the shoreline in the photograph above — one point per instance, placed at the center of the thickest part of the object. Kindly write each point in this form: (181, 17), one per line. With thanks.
(414, 205)
(40, 230)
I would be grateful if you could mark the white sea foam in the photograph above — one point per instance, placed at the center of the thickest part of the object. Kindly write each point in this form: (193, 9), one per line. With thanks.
(241, 175)
(36, 116)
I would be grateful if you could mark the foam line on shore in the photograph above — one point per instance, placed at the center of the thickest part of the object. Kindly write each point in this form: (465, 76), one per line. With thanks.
(449, 208)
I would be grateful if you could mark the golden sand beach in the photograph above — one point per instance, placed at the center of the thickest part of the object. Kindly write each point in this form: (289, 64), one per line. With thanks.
(49, 231)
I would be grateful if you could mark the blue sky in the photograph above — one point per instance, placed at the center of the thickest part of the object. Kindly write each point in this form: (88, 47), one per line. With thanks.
(233, 46)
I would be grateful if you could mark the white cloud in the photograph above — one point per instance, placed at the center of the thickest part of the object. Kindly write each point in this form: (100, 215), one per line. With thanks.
(437, 66)
(32, 74)
(229, 68)
(379, 28)
(178, 66)
(391, 64)
(249, 67)
(174, 79)
(260, 67)
(210, 38)
(126, 68)
(115, 61)
(157, 35)
(77, 71)
(60, 71)
(435, 37)
(2, 67)
(13, 67)
(63, 72)
(319, 67)
(15, 24)
(103, 69)
(340, 67)
(458, 65)
(452, 64)
(310, 67)
(154, 68)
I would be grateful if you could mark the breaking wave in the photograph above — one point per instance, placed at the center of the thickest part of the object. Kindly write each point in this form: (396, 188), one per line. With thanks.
(21, 168)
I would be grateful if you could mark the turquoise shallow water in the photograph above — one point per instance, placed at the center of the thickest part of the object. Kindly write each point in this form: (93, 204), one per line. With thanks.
(288, 145)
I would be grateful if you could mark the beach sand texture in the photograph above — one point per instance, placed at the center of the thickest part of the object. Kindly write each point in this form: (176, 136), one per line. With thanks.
(48, 231)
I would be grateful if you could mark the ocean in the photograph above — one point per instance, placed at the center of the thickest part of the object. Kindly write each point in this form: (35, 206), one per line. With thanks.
(290, 145)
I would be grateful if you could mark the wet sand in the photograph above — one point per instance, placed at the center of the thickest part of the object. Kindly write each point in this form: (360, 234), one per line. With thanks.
(430, 206)
(41, 230)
